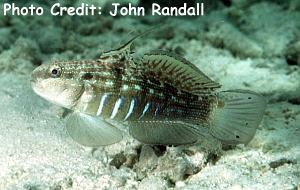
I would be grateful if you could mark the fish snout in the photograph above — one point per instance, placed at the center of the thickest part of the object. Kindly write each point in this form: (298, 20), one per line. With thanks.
(40, 73)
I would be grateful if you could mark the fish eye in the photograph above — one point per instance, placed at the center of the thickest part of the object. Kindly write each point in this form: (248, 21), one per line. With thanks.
(55, 73)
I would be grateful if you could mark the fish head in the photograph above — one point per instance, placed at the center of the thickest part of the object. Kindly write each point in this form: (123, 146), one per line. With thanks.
(55, 83)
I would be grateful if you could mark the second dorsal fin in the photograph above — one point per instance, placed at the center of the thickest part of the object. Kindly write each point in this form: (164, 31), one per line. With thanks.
(179, 72)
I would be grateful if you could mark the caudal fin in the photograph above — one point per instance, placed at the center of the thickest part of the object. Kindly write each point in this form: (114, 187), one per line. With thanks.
(237, 116)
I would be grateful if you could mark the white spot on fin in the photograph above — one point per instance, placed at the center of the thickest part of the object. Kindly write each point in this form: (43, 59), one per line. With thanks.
(125, 87)
(137, 87)
(109, 83)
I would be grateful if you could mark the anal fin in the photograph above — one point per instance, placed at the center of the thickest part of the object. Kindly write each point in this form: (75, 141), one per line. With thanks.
(165, 132)
(92, 131)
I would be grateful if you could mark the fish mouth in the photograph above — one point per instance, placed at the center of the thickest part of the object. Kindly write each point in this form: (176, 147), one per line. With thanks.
(35, 87)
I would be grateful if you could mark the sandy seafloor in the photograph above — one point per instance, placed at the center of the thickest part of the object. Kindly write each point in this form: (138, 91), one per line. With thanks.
(250, 45)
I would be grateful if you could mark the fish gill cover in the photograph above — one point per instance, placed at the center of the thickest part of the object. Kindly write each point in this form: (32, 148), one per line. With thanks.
(181, 125)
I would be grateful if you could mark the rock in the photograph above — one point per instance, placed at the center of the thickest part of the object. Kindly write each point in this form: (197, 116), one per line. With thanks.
(28, 49)
(50, 39)
(6, 39)
(223, 34)
(153, 182)
(21, 58)
(280, 162)
(293, 53)
(118, 160)
(270, 25)
(147, 162)
(173, 165)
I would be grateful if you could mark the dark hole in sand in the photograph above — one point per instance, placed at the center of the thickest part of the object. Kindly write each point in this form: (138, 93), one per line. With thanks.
(291, 61)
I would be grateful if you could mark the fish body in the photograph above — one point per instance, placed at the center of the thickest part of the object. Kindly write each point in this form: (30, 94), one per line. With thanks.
(161, 97)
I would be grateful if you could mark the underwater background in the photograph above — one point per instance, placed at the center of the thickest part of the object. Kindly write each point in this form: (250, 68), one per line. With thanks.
(241, 44)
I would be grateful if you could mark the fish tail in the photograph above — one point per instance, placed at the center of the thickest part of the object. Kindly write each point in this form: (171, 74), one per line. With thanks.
(237, 116)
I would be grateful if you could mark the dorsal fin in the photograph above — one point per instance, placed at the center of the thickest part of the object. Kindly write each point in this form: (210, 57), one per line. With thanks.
(124, 51)
(125, 48)
(120, 54)
(173, 69)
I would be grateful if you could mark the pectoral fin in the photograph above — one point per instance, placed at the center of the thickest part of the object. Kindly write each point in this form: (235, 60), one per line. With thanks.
(92, 131)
